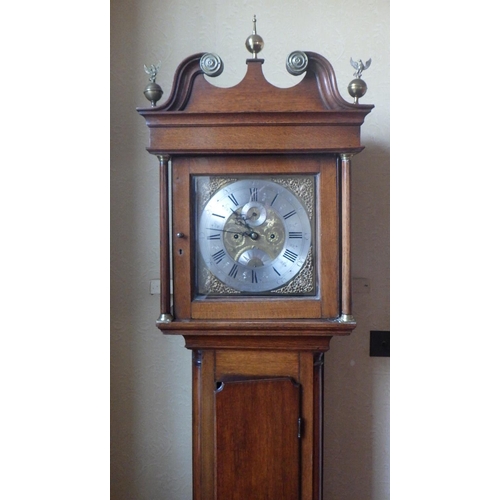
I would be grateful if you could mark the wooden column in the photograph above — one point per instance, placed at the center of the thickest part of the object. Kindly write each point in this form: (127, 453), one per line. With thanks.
(165, 313)
(346, 292)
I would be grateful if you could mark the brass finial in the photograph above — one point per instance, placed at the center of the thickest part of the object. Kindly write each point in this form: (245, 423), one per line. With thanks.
(153, 91)
(357, 88)
(254, 43)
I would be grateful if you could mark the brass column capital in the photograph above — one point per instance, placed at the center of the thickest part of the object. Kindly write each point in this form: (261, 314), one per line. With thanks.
(346, 156)
(163, 159)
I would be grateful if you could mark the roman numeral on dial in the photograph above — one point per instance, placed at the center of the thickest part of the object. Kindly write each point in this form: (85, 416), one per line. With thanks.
(289, 214)
(234, 271)
(253, 194)
(291, 256)
(254, 277)
(218, 256)
(295, 234)
(233, 199)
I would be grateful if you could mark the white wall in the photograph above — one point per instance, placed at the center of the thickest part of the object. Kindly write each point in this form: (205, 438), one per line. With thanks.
(150, 372)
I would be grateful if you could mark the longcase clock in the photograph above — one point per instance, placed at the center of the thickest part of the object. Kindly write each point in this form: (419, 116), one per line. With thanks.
(257, 244)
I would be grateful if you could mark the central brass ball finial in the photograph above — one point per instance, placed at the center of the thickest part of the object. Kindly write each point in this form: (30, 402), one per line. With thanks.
(254, 43)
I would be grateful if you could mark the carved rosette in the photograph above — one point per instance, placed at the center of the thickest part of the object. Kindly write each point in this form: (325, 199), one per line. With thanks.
(297, 62)
(211, 64)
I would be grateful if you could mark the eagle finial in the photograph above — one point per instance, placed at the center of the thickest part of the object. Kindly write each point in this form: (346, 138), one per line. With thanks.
(359, 66)
(152, 71)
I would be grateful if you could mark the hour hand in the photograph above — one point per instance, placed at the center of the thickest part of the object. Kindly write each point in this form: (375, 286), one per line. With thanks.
(251, 233)
(242, 221)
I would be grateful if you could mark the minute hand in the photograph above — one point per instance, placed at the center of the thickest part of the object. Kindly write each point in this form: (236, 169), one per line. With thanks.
(243, 233)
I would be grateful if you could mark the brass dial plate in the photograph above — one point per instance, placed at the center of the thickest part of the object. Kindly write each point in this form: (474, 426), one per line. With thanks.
(255, 235)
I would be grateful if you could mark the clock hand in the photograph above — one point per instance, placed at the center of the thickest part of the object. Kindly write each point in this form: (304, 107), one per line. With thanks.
(242, 233)
(253, 235)
(242, 221)
(226, 231)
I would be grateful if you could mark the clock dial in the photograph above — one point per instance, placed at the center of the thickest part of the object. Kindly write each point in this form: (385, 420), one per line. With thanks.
(254, 235)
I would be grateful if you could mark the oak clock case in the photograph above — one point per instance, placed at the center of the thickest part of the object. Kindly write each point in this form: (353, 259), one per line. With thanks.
(255, 207)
